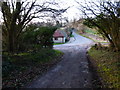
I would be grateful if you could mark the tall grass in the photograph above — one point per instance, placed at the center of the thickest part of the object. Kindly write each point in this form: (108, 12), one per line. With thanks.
(108, 66)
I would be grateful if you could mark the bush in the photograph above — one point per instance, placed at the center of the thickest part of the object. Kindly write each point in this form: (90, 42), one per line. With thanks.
(34, 36)
(18, 61)
(46, 36)
(7, 65)
(20, 69)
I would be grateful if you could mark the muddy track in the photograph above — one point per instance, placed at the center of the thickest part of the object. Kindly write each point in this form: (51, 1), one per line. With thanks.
(72, 71)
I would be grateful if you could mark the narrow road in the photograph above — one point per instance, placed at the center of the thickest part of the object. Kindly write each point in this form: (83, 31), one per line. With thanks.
(72, 71)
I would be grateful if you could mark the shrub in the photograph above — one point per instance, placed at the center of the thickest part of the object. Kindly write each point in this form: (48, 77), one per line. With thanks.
(7, 65)
(46, 36)
(36, 37)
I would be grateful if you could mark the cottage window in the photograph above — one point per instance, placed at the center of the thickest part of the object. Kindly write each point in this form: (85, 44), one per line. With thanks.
(56, 38)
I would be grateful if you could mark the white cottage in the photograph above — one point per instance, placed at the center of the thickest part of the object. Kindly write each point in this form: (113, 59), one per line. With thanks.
(59, 36)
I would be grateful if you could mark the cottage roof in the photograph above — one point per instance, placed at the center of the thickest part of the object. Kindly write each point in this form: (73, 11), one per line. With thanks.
(58, 33)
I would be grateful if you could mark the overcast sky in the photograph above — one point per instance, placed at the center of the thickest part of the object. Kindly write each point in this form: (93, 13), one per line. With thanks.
(72, 12)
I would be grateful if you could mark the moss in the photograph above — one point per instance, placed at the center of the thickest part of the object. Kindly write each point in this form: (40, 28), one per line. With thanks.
(107, 66)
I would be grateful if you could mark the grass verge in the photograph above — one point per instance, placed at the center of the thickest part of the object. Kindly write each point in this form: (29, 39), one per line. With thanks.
(22, 68)
(58, 43)
(90, 31)
(108, 66)
(88, 37)
(97, 41)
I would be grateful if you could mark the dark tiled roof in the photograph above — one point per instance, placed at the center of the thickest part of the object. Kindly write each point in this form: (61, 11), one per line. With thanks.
(58, 33)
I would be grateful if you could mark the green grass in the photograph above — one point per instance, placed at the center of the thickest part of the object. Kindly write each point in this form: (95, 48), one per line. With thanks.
(91, 31)
(13, 67)
(58, 43)
(40, 57)
(87, 37)
(108, 66)
(93, 39)
(71, 35)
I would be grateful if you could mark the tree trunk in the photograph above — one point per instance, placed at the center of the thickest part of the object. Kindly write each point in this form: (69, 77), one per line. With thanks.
(11, 43)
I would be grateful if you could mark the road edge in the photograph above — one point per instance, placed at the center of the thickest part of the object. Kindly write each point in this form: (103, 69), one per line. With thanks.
(96, 81)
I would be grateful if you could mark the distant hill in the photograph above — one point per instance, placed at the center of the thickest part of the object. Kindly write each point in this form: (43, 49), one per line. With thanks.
(78, 25)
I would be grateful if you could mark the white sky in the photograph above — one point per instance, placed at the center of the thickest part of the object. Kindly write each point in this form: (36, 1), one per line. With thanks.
(72, 12)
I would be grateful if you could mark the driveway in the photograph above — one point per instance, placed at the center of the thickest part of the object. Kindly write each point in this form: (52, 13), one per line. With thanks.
(72, 71)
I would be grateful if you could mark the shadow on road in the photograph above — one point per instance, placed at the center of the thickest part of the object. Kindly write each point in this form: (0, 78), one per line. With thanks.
(72, 71)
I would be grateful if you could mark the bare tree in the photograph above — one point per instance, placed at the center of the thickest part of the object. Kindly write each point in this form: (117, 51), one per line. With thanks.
(104, 15)
(17, 15)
